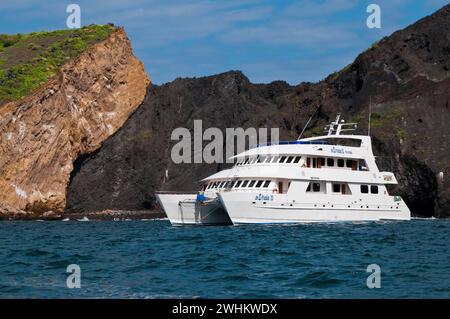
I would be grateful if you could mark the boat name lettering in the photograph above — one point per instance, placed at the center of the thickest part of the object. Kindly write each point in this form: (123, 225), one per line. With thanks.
(340, 150)
(263, 197)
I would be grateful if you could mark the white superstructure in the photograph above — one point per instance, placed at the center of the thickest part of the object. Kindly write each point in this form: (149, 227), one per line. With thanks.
(320, 179)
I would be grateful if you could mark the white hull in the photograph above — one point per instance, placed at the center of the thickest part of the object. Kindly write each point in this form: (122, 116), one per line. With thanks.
(244, 209)
(183, 209)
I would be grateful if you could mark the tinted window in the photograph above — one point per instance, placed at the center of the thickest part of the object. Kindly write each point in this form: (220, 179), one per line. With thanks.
(244, 184)
(349, 163)
(297, 159)
(364, 189)
(266, 184)
(269, 158)
(340, 162)
(322, 161)
(309, 187)
(262, 159)
(290, 159)
(283, 159)
(374, 189)
(251, 183)
(259, 184)
(238, 184)
(337, 188)
(275, 159)
(316, 187)
(330, 161)
(246, 161)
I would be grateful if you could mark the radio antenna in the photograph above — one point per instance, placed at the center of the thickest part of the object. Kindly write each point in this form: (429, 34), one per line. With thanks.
(370, 113)
(307, 123)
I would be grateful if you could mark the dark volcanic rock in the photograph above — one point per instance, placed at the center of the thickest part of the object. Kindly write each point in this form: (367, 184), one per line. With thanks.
(406, 77)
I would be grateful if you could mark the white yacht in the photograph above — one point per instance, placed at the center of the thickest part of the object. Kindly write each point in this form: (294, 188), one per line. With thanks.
(328, 178)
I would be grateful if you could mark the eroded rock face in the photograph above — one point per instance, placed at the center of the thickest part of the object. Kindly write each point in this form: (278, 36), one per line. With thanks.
(405, 77)
(42, 134)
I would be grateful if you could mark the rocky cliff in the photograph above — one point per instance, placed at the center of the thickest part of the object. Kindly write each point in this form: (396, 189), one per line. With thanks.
(405, 76)
(86, 100)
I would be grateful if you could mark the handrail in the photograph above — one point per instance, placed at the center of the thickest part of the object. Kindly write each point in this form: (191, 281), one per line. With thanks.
(177, 192)
(290, 143)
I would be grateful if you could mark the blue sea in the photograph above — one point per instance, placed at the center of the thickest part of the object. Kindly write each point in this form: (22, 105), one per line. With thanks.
(152, 259)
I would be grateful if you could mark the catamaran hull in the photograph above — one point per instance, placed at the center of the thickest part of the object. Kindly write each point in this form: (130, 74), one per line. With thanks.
(244, 209)
(183, 209)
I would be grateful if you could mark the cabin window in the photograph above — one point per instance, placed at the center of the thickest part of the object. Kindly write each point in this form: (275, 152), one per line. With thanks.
(330, 162)
(374, 189)
(316, 187)
(262, 159)
(309, 187)
(275, 159)
(336, 188)
(269, 158)
(238, 183)
(349, 163)
(280, 187)
(308, 162)
(283, 159)
(364, 189)
(314, 160)
(244, 184)
(251, 183)
(246, 161)
(266, 184)
(362, 165)
(340, 162)
(252, 160)
(321, 161)
(259, 183)
(297, 159)
(290, 159)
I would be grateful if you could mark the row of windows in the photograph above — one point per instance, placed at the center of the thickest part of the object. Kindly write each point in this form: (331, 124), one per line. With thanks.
(365, 189)
(342, 188)
(269, 159)
(331, 162)
(240, 184)
(310, 162)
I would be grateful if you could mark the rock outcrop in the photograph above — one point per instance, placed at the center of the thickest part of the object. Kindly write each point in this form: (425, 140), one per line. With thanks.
(405, 78)
(42, 134)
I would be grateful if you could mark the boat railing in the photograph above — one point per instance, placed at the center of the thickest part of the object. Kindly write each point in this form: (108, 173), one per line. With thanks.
(177, 192)
(290, 143)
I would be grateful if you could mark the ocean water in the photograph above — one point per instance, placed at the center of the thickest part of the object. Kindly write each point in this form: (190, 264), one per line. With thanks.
(151, 259)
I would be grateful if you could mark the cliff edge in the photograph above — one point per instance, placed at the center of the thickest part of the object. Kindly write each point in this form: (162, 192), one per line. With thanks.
(82, 103)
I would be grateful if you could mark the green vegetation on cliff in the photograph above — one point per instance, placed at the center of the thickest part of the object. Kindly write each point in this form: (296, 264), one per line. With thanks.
(29, 60)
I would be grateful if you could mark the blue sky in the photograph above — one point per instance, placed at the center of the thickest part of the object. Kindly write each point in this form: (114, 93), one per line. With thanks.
(268, 40)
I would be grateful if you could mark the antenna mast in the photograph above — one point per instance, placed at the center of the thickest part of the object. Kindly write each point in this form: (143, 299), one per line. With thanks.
(307, 123)
(370, 113)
